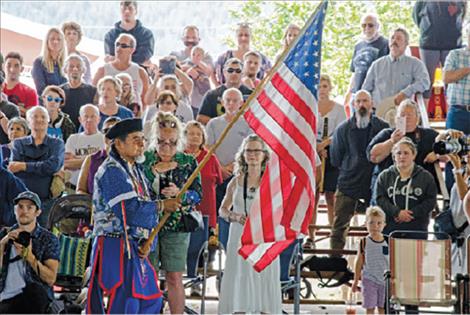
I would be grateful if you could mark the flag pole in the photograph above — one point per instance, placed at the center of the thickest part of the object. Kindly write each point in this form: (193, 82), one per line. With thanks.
(145, 248)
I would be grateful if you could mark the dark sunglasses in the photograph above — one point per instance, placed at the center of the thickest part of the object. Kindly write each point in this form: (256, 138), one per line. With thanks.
(167, 124)
(55, 99)
(231, 70)
(122, 45)
(169, 143)
(370, 25)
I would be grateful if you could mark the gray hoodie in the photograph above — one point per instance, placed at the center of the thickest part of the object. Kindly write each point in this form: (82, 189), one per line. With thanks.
(418, 194)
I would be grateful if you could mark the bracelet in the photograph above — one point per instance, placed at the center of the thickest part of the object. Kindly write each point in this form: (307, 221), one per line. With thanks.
(458, 171)
(160, 205)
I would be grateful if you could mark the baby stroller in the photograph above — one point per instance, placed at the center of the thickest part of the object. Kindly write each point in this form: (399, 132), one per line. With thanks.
(70, 221)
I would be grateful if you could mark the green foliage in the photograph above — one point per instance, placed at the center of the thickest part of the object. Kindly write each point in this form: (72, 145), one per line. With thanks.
(341, 32)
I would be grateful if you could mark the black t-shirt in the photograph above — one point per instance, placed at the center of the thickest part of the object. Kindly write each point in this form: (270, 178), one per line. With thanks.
(424, 139)
(75, 98)
(212, 102)
(364, 55)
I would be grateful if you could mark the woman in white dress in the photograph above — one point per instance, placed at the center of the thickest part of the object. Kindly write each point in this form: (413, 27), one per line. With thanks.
(243, 289)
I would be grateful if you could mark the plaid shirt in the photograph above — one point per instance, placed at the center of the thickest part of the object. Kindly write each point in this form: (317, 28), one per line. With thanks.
(458, 92)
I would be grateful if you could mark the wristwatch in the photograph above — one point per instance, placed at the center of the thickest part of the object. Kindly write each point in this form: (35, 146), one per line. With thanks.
(458, 171)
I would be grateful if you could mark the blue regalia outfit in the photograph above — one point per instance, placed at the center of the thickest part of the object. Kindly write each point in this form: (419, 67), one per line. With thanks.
(121, 199)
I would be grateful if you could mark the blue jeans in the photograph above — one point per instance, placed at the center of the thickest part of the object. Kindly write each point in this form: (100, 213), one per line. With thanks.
(458, 119)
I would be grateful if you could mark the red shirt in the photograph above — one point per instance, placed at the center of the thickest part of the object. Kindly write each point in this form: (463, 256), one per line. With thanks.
(211, 175)
(21, 95)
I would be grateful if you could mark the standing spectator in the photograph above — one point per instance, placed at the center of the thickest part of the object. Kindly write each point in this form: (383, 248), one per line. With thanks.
(406, 191)
(457, 75)
(379, 149)
(243, 34)
(232, 100)
(440, 27)
(168, 169)
(251, 66)
(17, 128)
(180, 84)
(348, 153)
(197, 70)
(204, 66)
(7, 111)
(166, 103)
(396, 76)
(459, 190)
(36, 158)
(18, 93)
(47, 68)
(372, 262)
(73, 35)
(26, 283)
(77, 92)
(371, 47)
(128, 97)
(212, 103)
(109, 90)
(243, 290)
(60, 125)
(125, 46)
(334, 113)
(86, 178)
(129, 24)
(79, 145)
(211, 173)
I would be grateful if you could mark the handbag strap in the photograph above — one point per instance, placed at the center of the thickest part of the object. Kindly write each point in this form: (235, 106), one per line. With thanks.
(245, 192)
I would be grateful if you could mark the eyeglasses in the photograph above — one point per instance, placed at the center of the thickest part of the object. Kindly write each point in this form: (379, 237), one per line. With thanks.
(167, 124)
(167, 103)
(122, 45)
(255, 151)
(370, 25)
(232, 70)
(171, 144)
(55, 99)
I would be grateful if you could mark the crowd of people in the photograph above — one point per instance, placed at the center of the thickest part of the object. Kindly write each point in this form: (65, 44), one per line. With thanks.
(131, 134)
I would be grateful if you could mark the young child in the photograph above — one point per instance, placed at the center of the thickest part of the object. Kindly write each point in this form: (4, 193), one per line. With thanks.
(372, 262)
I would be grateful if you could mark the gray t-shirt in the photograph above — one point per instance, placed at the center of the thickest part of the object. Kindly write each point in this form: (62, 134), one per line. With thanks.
(229, 147)
(14, 282)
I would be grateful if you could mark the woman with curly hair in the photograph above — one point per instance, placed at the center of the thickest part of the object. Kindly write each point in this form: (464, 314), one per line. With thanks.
(243, 289)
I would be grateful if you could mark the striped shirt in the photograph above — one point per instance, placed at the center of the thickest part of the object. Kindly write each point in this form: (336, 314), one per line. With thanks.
(376, 260)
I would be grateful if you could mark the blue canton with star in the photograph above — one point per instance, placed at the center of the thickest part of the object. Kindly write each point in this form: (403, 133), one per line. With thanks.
(304, 58)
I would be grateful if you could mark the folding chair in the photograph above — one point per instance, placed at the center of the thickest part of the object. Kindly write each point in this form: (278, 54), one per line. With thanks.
(420, 272)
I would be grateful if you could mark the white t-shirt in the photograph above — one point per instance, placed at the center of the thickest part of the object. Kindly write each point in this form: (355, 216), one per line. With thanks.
(82, 145)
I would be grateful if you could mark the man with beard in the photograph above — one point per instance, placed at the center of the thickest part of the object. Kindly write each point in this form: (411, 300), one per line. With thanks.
(371, 47)
(77, 92)
(191, 39)
(29, 260)
(348, 154)
(124, 216)
(129, 24)
(396, 76)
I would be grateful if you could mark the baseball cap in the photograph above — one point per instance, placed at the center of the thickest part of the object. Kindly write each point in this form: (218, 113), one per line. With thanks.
(29, 195)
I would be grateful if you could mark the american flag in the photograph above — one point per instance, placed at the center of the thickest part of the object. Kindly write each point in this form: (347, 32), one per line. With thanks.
(284, 114)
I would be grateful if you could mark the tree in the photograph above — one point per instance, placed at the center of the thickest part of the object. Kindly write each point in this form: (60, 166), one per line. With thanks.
(341, 32)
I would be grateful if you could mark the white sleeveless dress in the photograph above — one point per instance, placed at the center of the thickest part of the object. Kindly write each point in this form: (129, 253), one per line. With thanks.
(243, 289)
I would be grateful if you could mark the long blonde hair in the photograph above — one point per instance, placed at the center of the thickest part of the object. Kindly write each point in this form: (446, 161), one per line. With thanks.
(47, 60)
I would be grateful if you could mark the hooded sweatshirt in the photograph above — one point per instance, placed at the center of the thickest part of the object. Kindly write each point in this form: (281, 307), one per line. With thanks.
(417, 193)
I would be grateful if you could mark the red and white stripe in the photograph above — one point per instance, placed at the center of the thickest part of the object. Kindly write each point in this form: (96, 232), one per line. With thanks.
(284, 116)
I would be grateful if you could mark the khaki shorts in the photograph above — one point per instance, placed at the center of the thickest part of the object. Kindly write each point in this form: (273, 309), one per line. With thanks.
(171, 252)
